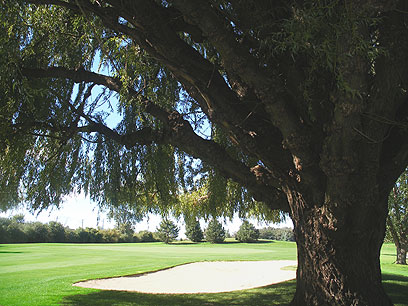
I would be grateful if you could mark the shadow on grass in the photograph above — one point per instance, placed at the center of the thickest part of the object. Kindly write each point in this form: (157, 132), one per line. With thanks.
(274, 295)
(279, 294)
(184, 243)
(10, 252)
(396, 287)
(253, 243)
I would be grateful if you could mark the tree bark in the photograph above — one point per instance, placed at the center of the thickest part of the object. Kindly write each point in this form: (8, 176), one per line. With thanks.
(401, 256)
(338, 253)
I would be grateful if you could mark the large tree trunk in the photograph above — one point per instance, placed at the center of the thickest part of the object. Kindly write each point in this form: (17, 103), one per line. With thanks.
(401, 256)
(339, 245)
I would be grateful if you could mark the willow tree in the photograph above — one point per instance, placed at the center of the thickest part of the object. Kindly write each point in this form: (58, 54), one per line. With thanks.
(297, 106)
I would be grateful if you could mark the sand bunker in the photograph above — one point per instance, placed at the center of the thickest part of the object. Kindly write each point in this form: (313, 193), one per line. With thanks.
(201, 277)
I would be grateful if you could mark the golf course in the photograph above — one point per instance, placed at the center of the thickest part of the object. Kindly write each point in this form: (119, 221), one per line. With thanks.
(43, 274)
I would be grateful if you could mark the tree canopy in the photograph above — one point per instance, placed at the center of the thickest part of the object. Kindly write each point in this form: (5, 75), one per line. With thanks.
(255, 106)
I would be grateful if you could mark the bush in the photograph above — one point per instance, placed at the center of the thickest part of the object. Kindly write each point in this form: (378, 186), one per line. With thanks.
(71, 236)
(56, 232)
(88, 235)
(193, 230)
(110, 235)
(215, 233)
(135, 238)
(146, 236)
(283, 234)
(247, 233)
(4, 223)
(167, 231)
(37, 232)
(16, 233)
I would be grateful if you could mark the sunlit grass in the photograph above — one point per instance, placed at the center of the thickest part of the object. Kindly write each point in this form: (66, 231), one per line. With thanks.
(43, 274)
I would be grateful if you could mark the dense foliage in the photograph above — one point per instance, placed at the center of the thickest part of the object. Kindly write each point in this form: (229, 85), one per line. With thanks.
(247, 232)
(284, 234)
(167, 231)
(215, 232)
(16, 230)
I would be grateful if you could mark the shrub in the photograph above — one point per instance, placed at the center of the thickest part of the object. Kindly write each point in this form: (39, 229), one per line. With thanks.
(247, 233)
(110, 235)
(37, 232)
(146, 236)
(88, 235)
(284, 234)
(56, 232)
(193, 230)
(167, 231)
(71, 236)
(15, 233)
(215, 233)
(4, 223)
(135, 238)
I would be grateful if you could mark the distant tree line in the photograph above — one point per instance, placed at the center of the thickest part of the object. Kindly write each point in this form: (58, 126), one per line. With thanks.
(283, 234)
(16, 230)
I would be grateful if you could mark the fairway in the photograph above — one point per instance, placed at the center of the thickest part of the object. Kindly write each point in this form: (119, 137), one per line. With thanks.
(43, 274)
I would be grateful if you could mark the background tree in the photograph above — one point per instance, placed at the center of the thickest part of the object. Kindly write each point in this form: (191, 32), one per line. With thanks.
(299, 106)
(247, 232)
(193, 230)
(145, 236)
(167, 231)
(284, 234)
(11, 230)
(56, 232)
(214, 232)
(397, 220)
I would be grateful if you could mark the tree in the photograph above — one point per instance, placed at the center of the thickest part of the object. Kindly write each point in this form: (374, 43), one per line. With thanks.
(397, 220)
(146, 236)
(167, 231)
(247, 232)
(37, 232)
(285, 233)
(298, 106)
(215, 232)
(193, 230)
(56, 232)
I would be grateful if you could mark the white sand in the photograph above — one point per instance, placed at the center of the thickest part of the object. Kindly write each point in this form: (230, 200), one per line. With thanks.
(201, 277)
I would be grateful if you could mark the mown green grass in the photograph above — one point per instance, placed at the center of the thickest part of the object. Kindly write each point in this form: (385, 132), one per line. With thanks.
(42, 274)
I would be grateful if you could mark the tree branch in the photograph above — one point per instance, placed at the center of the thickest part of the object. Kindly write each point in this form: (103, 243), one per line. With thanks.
(237, 59)
(77, 75)
(177, 131)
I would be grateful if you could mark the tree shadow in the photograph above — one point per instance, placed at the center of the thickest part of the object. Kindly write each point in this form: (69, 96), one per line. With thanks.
(396, 287)
(184, 243)
(274, 295)
(224, 242)
(9, 252)
(251, 243)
